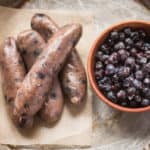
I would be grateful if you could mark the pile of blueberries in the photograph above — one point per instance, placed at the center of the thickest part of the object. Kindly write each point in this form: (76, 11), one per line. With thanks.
(122, 67)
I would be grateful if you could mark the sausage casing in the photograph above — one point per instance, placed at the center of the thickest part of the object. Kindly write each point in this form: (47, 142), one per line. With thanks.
(73, 76)
(37, 83)
(13, 73)
(31, 44)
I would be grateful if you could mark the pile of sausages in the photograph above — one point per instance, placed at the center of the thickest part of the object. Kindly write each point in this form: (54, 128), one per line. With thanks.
(39, 68)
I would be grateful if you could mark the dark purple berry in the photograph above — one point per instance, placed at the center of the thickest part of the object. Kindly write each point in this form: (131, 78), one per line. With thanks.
(130, 61)
(133, 52)
(104, 57)
(123, 54)
(114, 35)
(147, 67)
(99, 74)
(131, 92)
(145, 102)
(138, 99)
(121, 95)
(104, 47)
(137, 84)
(121, 36)
(142, 34)
(129, 41)
(98, 65)
(146, 47)
(135, 36)
(113, 58)
(147, 81)
(139, 75)
(105, 87)
(123, 72)
(128, 81)
(139, 44)
(111, 96)
(128, 31)
(119, 45)
(110, 69)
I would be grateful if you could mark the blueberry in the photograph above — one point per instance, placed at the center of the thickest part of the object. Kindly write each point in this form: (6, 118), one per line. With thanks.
(99, 74)
(147, 54)
(137, 67)
(110, 42)
(128, 81)
(113, 58)
(131, 91)
(105, 87)
(133, 52)
(105, 48)
(139, 75)
(105, 80)
(138, 99)
(145, 102)
(114, 35)
(123, 54)
(104, 57)
(137, 84)
(146, 67)
(139, 44)
(141, 60)
(121, 95)
(128, 31)
(142, 33)
(147, 81)
(99, 55)
(98, 65)
(146, 47)
(115, 78)
(146, 92)
(122, 36)
(123, 72)
(119, 45)
(130, 61)
(111, 96)
(129, 41)
(110, 69)
(135, 36)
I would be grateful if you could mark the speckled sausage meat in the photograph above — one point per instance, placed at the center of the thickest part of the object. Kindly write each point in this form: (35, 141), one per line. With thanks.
(13, 73)
(74, 80)
(39, 80)
(31, 44)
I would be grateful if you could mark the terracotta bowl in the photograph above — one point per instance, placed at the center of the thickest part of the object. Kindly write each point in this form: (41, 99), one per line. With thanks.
(135, 24)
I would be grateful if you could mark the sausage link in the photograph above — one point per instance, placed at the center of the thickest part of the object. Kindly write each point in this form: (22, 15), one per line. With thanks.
(45, 26)
(37, 83)
(13, 73)
(73, 76)
(31, 44)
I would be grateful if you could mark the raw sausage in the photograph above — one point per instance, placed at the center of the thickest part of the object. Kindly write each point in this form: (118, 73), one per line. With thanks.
(37, 83)
(13, 73)
(74, 81)
(44, 25)
(31, 44)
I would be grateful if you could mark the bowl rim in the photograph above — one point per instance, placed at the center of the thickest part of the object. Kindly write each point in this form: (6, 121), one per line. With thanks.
(90, 67)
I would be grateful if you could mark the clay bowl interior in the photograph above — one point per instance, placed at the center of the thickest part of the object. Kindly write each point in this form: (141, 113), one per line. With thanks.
(134, 24)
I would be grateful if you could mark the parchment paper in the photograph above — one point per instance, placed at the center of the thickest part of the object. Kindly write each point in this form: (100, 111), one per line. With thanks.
(74, 128)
